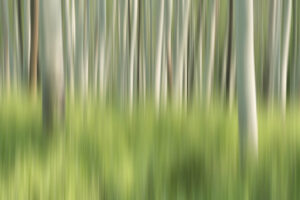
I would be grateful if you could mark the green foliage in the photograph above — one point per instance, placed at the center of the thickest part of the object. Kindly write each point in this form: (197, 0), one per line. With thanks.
(103, 153)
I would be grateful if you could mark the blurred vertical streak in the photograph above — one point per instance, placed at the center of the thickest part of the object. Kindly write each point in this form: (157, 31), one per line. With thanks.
(247, 115)
(211, 56)
(145, 50)
(181, 50)
(169, 49)
(294, 92)
(34, 45)
(27, 38)
(138, 85)
(51, 57)
(159, 54)
(191, 62)
(298, 55)
(229, 50)
(79, 35)
(6, 35)
(20, 34)
(67, 41)
(285, 52)
(278, 54)
(102, 41)
(200, 30)
(132, 54)
(85, 68)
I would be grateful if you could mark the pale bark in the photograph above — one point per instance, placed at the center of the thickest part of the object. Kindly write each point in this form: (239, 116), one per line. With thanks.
(270, 71)
(211, 58)
(79, 35)
(6, 34)
(102, 39)
(200, 29)
(20, 36)
(159, 55)
(85, 69)
(132, 53)
(68, 55)
(277, 60)
(139, 63)
(246, 80)
(51, 57)
(224, 68)
(232, 81)
(285, 54)
(181, 49)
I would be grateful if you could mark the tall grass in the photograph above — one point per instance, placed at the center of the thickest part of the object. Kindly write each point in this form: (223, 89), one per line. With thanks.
(104, 153)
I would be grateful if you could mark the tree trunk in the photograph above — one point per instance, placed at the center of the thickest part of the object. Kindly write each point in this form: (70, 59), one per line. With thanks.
(229, 50)
(20, 28)
(246, 81)
(68, 55)
(51, 57)
(159, 54)
(169, 50)
(34, 45)
(181, 50)
(6, 35)
(286, 42)
(211, 58)
(132, 53)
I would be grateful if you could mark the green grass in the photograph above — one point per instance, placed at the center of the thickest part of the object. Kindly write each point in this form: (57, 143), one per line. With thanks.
(103, 153)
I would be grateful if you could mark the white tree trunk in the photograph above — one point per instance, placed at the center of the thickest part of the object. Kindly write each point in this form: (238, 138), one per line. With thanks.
(132, 53)
(286, 42)
(68, 55)
(159, 54)
(181, 50)
(6, 35)
(102, 40)
(211, 59)
(246, 79)
(51, 57)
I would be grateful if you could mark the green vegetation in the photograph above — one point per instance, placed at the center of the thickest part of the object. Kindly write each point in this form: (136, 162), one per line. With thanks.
(105, 154)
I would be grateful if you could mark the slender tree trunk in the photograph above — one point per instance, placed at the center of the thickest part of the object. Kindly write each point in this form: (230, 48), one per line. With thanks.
(34, 45)
(190, 63)
(20, 28)
(224, 67)
(85, 69)
(27, 39)
(200, 30)
(181, 50)
(286, 42)
(211, 58)
(6, 35)
(277, 60)
(51, 57)
(232, 81)
(246, 81)
(68, 54)
(159, 54)
(132, 53)
(229, 50)
(270, 70)
(138, 85)
(168, 40)
(102, 45)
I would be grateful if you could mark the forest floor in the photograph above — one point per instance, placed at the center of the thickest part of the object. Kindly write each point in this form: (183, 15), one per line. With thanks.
(103, 153)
